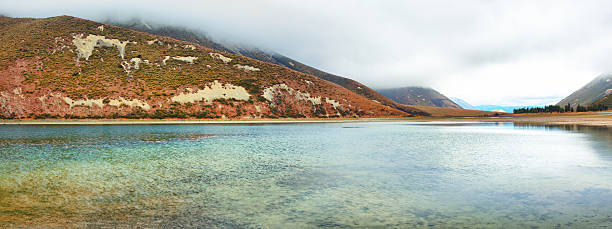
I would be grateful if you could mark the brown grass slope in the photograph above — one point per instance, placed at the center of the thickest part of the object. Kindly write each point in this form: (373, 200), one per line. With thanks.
(42, 76)
(453, 112)
(274, 58)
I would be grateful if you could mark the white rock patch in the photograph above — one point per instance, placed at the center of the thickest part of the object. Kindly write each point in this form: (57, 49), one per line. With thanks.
(127, 67)
(189, 47)
(213, 91)
(136, 61)
(270, 92)
(332, 102)
(84, 102)
(220, 57)
(188, 59)
(246, 67)
(152, 41)
(166, 58)
(130, 103)
(101, 28)
(85, 46)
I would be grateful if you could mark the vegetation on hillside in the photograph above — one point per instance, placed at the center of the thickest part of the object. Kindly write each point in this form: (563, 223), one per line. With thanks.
(560, 109)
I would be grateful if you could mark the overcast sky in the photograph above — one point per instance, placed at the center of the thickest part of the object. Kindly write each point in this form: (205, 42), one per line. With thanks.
(485, 52)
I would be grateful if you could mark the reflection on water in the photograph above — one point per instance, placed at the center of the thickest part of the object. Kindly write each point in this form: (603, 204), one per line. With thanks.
(600, 137)
(307, 175)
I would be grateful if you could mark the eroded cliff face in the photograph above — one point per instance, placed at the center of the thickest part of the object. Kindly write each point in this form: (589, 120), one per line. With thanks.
(88, 72)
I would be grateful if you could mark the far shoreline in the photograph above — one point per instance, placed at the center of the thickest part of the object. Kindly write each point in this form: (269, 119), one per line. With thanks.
(595, 119)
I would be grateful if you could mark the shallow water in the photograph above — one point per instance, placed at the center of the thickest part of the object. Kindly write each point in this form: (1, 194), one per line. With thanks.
(387, 174)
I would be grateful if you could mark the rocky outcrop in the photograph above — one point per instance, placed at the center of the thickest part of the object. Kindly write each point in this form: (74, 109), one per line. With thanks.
(85, 46)
(246, 67)
(220, 57)
(211, 92)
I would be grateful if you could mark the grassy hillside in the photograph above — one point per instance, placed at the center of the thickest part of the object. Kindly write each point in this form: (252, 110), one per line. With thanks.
(418, 96)
(274, 58)
(72, 68)
(593, 91)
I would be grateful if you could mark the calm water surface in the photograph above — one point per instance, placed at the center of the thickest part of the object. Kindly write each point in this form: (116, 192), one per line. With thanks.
(391, 174)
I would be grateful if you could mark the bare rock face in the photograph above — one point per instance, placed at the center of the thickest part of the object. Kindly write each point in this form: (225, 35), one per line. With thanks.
(66, 67)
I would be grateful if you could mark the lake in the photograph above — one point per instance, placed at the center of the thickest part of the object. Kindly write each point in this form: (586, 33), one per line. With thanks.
(376, 174)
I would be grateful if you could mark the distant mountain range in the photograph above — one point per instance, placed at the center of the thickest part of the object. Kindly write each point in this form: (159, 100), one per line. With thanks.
(466, 105)
(420, 96)
(596, 90)
(508, 109)
(463, 103)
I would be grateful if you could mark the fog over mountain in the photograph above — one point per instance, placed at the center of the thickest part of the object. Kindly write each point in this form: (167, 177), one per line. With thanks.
(486, 52)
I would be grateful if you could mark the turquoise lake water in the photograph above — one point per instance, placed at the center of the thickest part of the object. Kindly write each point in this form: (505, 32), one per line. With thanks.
(379, 174)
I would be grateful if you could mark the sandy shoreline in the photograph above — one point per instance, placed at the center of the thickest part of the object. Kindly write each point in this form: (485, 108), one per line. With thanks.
(599, 119)
(594, 119)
